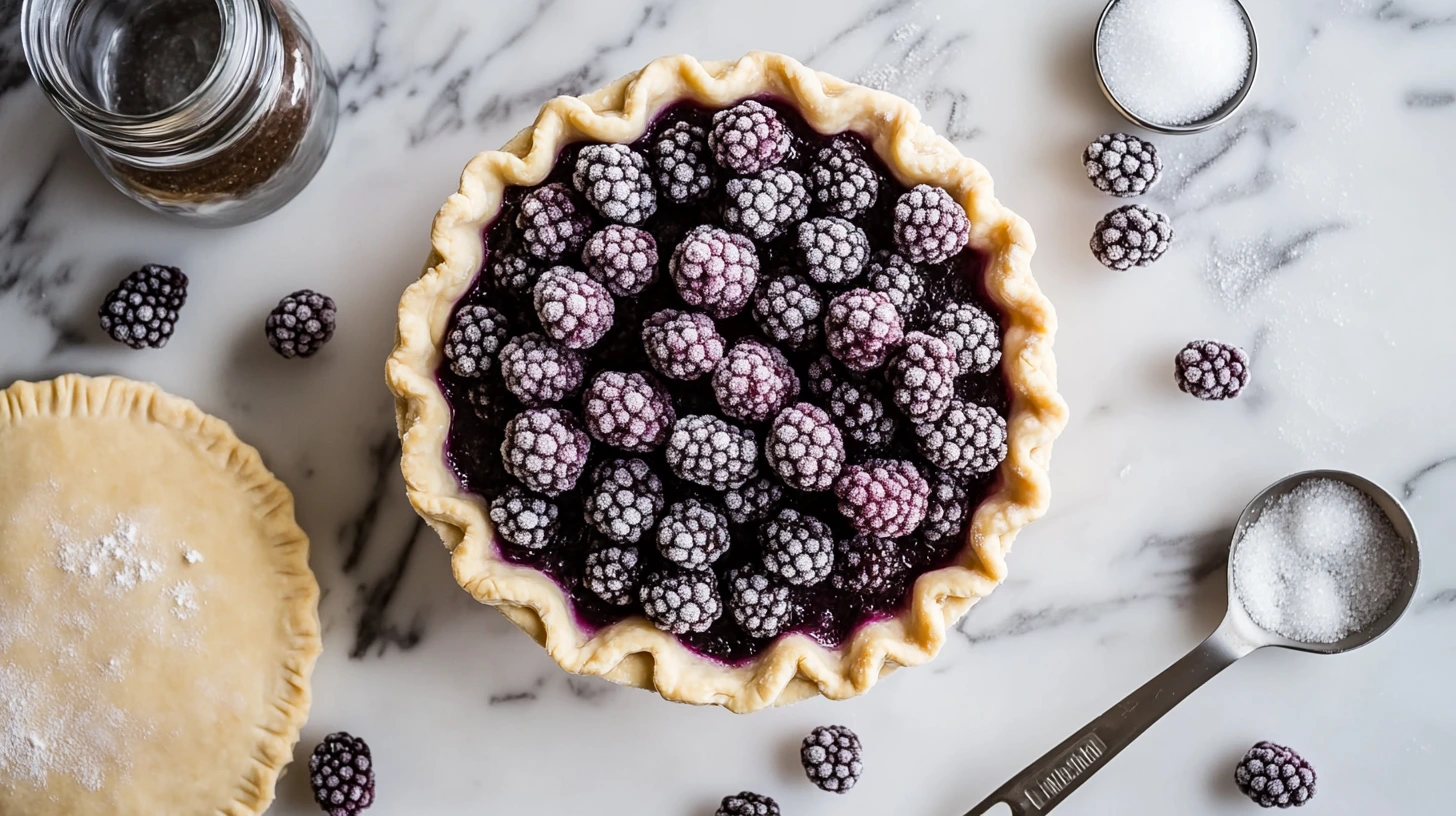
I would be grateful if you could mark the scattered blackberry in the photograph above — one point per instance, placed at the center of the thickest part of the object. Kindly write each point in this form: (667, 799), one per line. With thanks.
(1122, 165)
(474, 340)
(762, 608)
(623, 258)
(1130, 236)
(684, 170)
(525, 519)
(682, 345)
(804, 448)
(551, 224)
(341, 773)
(538, 370)
(545, 449)
(1275, 776)
(898, 279)
(886, 498)
(754, 381)
(972, 333)
(707, 451)
(716, 270)
(867, 563)
(860, 414)
(968, 439)
(788, 309)
(615, 180)
(142, 310)
(301, 324)
(930, 226)
(748, 804)
(1211, 370)
(614, 573)
(766, 205)
(844, 183)
(627, 411)
(514, 273)
(862, 328)
(749, 137)
(693, 534)
(753, 501)
(924, 377)
(488, 401)
(833, 758)
(945, 514)
(681, 601)
(832, 250)
(798, 548)
(624, 501)
(572, 307)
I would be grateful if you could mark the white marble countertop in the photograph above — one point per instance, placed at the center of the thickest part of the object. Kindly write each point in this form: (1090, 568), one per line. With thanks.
(1315, 229)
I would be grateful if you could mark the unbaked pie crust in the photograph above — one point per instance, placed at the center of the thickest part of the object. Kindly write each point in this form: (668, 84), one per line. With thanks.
(634, 652)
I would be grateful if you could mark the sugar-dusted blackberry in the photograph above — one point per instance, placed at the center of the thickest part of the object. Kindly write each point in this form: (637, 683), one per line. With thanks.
(524, 518)
(552, 225)
(1275, 776)
(572, 307)
(301, 324)
(865, 563)
(693, 534)
(1132, 235)
(682, 345)
(930, 226)
(489, 401)
(623, 258)
(805, 448)
(883, 497)
(1211, 370)
(833, 758)
(684, 165)
(798, 548)
(972, 333)
(923, 375)
(862, 328)
(754, 381)
(762, 608)
(765, 206)
(860, 414)
(681, 601)
(616, 181)
(1122, 165)
(968, 439)
(475, 337)
(748, 804)
(844, 183)
(630, 411)
(142, 310)
(341, 773)
(749, 137)
(715, 270)
(832, 250)
(788, 309)
(538, 370)
(614, 574)
(945, 513)
(706, 450)
(753, 501)
(624, 501)
(545, 449)
(901, 281)
(515, 273)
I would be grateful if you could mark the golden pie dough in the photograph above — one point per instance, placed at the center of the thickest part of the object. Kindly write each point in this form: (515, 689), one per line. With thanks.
(158, 618)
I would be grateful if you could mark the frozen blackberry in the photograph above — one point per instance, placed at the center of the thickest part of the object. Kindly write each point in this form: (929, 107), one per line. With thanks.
(930, 226)
(804, 448)
(627, 411)
(923, 375)
(572, 307)
(684, 168)
(614, 573)
(1211, 370)
(748, 804)
(766, 205)
(1275, 776)
(545, 449)
(693, 534)
(142, 310)
(623, 258)
(341, 773)
(615, 180)
(681, 601)
(551, 224)
(833, 758)
(705, 450)
(475, 338)
(864, 563)
(972, 333)
(825, 375)
(860, 414)
(749, 137)
(1122, 165)
(762, 608)
(682, 345)
(754, 381)
(752, 502)
(885, 498)
(716, 270)
(538, 370)
(945, 513)
(514, 273)
(844, 183)
(862, 328)
(968, 439)
(788, 309)
(832, 250)
(488, 401)
(898, 279)
(798, 548)
(624, 501)
(525, 519)
(1130, 236)
(301, 324)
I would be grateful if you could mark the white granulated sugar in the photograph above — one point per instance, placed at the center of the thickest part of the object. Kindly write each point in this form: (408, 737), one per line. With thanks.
(1173, 62)
(1319, 563)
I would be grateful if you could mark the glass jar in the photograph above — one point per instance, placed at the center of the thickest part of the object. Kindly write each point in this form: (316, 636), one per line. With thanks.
(214, 111)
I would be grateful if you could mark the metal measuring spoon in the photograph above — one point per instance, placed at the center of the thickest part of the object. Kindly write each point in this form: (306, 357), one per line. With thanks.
(1045, 783)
